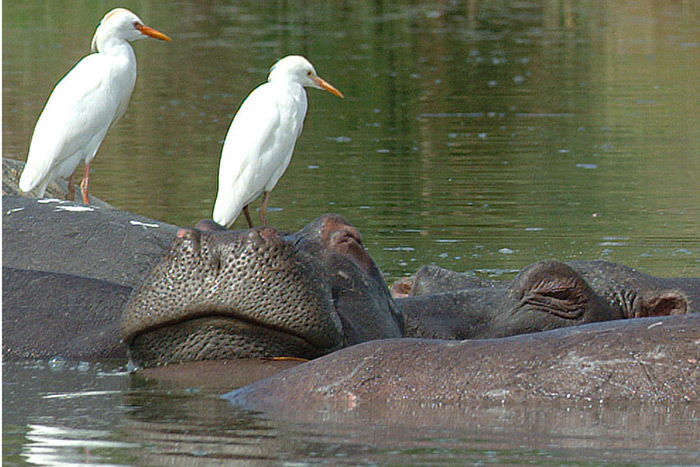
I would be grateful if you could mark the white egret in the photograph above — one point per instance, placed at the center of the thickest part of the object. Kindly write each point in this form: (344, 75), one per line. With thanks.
(86, 103)
(260, 142)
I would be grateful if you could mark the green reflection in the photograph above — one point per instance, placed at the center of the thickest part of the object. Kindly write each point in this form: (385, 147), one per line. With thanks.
(476, 135)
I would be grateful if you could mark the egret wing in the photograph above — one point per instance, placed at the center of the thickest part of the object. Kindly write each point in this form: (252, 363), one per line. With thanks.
(74, 121)
(252, 134)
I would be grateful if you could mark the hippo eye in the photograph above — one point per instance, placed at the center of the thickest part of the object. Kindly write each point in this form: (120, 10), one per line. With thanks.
(352, 236)
(355, 239)
(346, 238)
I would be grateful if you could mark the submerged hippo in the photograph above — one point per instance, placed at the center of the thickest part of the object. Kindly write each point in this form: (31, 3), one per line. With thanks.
(332, 296)
(68, 270)
(220, 295)
(212, 295)
(443, 304)
(645, 359)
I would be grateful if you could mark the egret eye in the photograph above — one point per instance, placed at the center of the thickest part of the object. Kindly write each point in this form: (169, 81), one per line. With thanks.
(308, 73)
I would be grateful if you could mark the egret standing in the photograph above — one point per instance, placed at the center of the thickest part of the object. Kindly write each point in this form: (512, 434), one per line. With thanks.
(89, 100)
(260, 142)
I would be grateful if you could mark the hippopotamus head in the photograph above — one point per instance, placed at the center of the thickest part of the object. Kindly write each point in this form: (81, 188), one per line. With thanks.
(546, 295)
(440, 303)
(259, 293)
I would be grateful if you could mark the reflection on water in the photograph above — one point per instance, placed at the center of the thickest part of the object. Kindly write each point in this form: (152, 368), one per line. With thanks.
(480, 136)
(69, 421)
(477, 135)
(50, 445)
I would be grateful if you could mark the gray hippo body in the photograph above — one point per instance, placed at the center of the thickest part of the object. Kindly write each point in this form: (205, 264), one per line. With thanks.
(645, 359)
(108, 252)
(94, 242)
(47, 314)
(68, 270)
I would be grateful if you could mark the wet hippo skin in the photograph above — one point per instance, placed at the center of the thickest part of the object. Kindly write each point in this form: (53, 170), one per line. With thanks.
(334, 292)
(443, 304)
(260, 293)
(69, 270)
(54, 313)
(87, 241)
(644, 359)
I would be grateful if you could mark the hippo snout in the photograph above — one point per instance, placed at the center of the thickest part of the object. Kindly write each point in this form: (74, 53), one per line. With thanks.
(221, 294)
(226, 294)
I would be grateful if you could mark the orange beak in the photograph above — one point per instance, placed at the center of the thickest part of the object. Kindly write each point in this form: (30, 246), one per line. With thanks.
(150, 32)
(325, 85)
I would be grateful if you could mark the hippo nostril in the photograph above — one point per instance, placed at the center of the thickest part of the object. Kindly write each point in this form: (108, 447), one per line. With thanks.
(269, 232)
(252, 235)
(188, 234)
(262, 233)
(216, 263)
(191, 236)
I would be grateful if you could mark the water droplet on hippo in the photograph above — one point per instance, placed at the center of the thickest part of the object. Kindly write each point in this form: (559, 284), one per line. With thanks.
(83, 366)
(131, 366)
(57, 363)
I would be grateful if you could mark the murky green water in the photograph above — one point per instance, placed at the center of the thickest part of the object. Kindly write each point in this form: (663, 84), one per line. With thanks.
(481, 136)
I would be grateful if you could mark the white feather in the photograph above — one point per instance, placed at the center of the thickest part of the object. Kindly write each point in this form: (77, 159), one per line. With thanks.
(85, 104)
(260, 141)
(75, 120)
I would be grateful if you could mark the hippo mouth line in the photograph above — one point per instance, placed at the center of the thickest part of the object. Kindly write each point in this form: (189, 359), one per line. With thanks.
(217, 336)
(239, 321)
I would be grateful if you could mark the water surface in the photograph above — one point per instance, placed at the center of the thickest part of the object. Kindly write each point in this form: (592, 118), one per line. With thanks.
(91, 414)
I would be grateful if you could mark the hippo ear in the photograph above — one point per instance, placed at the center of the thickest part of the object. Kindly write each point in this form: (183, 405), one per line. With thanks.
(402, 287)
(662, 303)
(553, 287)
